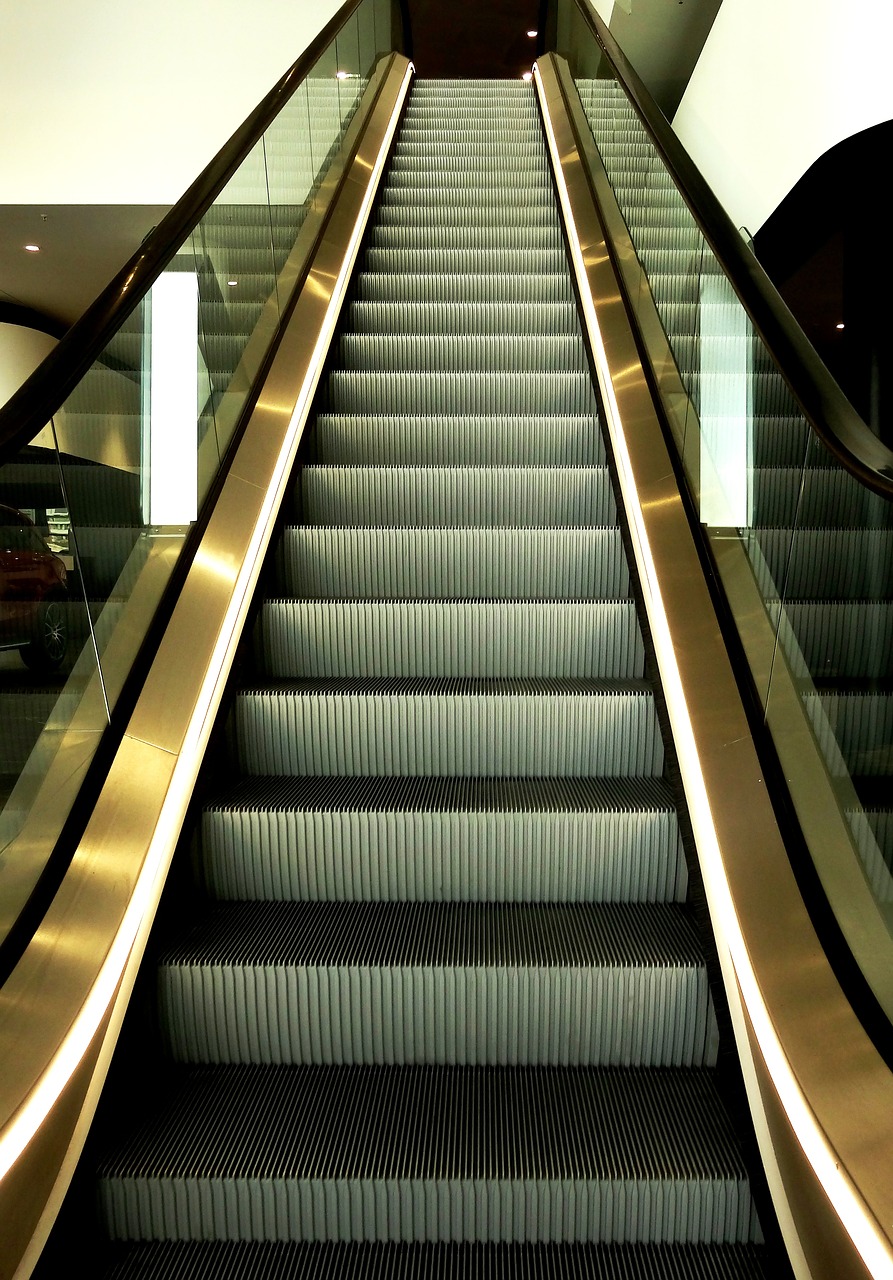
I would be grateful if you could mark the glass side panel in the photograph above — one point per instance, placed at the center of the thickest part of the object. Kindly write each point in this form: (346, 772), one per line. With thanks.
(232, 258)
(96, 511)
(818, 546)
(47, 653)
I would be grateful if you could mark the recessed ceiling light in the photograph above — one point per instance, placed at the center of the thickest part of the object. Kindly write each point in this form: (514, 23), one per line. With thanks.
(232, 283)
(32, 248)
(840, 326)
(528, 75)
(532, 34)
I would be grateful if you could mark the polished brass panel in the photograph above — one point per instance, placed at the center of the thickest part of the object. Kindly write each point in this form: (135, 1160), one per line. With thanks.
(797, 1035)
(67, 995)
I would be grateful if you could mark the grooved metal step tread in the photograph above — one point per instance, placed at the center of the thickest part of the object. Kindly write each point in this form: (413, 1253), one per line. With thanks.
(450, 687)
(511, 1154)
(235, 1260)
(448, 795)
(455, 934)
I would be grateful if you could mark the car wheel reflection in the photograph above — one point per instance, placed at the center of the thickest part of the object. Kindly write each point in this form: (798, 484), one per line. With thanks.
(47, 650)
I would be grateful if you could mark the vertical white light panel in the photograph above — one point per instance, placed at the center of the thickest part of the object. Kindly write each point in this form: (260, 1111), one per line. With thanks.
(170, 444)
(725, 407)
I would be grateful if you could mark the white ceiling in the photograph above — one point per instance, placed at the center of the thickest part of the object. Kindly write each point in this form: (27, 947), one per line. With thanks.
(81, 248)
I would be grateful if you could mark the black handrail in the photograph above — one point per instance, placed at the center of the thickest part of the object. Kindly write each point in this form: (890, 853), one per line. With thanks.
(44, 392)
(830, 413)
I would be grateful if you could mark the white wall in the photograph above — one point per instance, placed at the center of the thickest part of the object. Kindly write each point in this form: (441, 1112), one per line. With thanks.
(778, 83)
(604, 8)
(21, 351)
(124, 101)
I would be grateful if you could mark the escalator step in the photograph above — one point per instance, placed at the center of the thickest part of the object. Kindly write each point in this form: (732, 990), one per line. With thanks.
(428, 318)
(497, 392)
(533, 240)
(388, 439)
(461, 208)
(460, 262)
(460, 983)
(415, 175)
(444, 839)
(442, 286)
(432, 1153)
(374, 1261)
(514, 564)
(503, 352)
(432, 727)
(449, 638)
(457, 497)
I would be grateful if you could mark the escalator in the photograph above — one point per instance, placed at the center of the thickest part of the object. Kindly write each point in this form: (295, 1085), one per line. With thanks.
(441, 993)
(448, 1002)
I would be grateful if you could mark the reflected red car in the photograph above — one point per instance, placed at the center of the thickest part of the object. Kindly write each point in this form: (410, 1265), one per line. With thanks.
(33, 594)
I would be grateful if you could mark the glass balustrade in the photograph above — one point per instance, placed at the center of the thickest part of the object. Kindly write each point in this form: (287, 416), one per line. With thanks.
(96, 510)
(804, 550)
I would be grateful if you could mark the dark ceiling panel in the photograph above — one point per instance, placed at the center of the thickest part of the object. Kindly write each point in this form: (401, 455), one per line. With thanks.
(473, 38)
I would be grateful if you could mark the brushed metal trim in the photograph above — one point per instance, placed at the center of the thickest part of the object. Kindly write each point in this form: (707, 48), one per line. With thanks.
(62, 1007)
(831, 1095)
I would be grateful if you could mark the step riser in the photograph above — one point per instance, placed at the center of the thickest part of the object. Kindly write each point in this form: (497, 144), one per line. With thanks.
(505, 353)
(536, 1016)
(467, 320)
(467, 736)
(415, 1209)
(406, 856)
(464, 261)
(443, 393)
(388, 440)
(296, 638)
(439, 285)
(452, 563)
(531, 239)
(457, 497)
